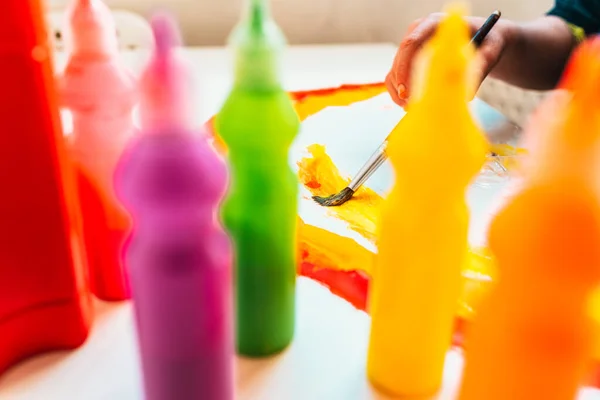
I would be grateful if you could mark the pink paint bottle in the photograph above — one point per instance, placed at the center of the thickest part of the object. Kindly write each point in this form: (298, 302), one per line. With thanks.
(101, 95)
(179, 258)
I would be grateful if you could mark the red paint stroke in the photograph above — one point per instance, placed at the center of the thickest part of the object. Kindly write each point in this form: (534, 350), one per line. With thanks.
(351, 286)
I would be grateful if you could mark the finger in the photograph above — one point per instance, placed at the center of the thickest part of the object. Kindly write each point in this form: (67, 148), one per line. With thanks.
(393, 91)
(407, 50)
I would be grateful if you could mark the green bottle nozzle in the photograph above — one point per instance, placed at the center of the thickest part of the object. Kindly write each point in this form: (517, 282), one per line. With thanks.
(259, 12)
(257, 42)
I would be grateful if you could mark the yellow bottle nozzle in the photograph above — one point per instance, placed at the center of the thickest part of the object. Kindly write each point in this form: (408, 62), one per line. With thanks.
(446, 59)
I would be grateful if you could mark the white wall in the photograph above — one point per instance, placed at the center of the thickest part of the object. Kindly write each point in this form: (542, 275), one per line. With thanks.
(208, 22)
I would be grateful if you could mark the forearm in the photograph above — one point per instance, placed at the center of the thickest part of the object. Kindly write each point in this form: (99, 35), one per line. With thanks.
(536, 54)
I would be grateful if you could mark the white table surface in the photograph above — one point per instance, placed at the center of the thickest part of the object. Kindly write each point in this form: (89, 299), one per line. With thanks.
(303, 68)
(327, 358)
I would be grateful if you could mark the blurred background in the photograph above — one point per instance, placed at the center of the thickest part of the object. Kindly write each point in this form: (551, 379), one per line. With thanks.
(208, 22)
(305, 22)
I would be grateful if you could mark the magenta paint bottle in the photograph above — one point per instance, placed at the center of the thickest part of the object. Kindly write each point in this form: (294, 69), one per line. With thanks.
(179, 258)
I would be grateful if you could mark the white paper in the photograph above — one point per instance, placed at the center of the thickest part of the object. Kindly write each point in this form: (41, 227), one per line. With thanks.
(352, 133)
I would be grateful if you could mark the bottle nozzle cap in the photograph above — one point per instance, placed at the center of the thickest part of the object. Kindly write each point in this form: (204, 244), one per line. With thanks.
(166, 35)
(91, 29)
(164, 85)
(446, 59)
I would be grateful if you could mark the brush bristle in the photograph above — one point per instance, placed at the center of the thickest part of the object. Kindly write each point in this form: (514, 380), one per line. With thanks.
(335, 200)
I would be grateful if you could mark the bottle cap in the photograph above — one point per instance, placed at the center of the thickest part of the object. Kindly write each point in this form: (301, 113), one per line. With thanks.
(165, 84)
(258, 42)
(91, 29)
(446, 59)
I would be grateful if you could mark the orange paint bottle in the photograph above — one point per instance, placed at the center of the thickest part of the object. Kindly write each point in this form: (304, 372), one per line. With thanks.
(44, 297)
(533, 336)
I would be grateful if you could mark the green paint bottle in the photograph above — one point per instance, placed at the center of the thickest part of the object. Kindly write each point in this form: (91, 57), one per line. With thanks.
(258, 123)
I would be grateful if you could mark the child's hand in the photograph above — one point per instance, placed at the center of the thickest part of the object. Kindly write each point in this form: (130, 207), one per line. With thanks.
(398, 79)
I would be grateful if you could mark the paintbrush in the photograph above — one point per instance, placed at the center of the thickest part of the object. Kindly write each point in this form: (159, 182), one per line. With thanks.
(379, 156)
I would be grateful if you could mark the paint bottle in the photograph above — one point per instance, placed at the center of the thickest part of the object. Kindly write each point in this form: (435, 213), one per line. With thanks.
(258, 124)
(436, 150)
(101, 95)
(178, 257)
(45, 302)
(534, 334)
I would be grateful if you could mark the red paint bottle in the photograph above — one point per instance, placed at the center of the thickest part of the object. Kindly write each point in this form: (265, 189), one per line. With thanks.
(44, 297)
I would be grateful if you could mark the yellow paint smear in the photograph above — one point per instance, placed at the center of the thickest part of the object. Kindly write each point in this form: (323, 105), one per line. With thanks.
(321, 248)
(318, 173)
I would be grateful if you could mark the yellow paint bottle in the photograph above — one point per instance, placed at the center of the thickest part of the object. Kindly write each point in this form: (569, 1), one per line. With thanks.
(436, 151)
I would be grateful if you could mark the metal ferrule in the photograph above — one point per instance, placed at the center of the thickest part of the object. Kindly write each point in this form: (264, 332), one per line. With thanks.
(374, 162)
